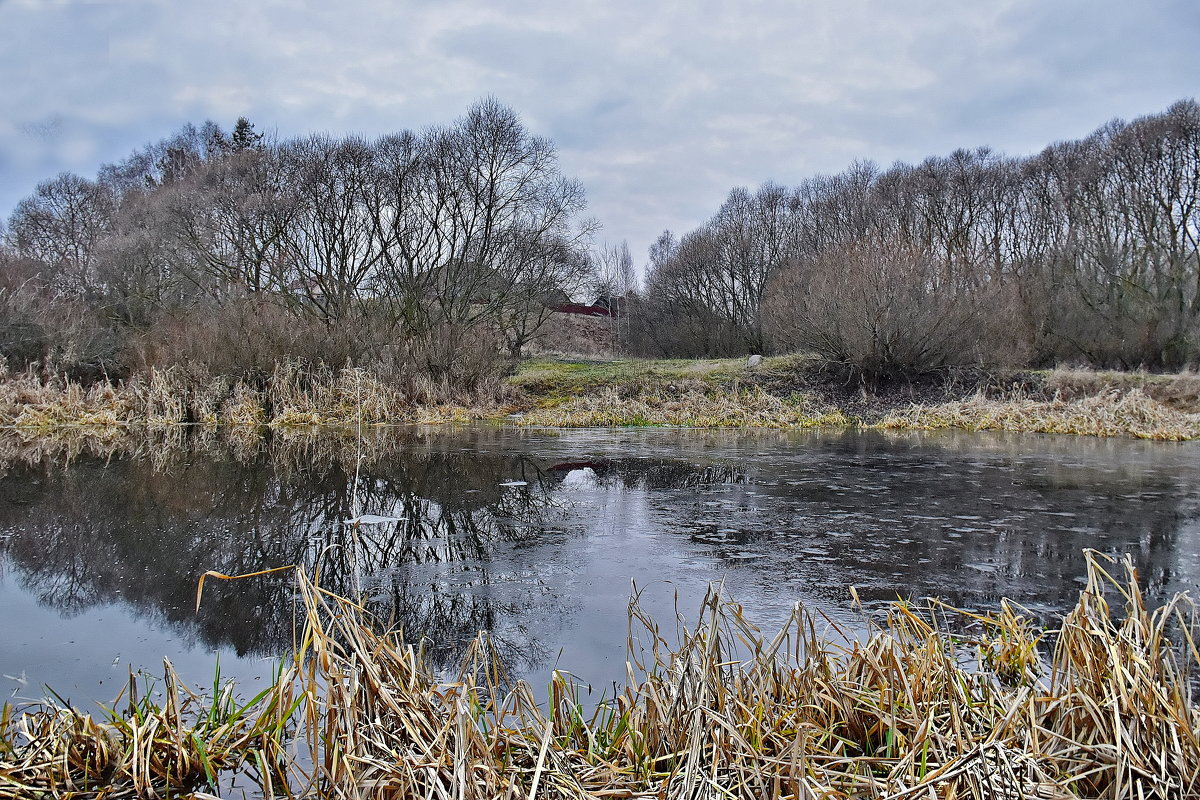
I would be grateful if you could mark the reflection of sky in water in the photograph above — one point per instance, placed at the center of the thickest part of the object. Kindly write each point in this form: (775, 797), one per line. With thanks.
(540, 537)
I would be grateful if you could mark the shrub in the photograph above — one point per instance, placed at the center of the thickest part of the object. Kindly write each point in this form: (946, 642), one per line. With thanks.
(247, 338)
(886, 312)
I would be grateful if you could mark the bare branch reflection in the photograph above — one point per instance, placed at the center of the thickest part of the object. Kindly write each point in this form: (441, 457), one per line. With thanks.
(501, 530)
(139, 531)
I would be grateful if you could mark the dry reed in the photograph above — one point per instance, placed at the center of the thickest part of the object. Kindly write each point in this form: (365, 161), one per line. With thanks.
(290, 397)
(293, 397)
(1112, 413)
(147, 749)
(932, 704)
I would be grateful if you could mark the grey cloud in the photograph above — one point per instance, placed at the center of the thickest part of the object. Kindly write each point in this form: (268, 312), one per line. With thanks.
(659, 108)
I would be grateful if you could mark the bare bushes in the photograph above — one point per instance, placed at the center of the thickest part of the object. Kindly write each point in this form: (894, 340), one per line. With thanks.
(660, 326)
(256, 340)
(886, 312)
(1112, 325)
(453, 362)
(59, 336)
(246, 338)
(1130, 333)
(251, 360)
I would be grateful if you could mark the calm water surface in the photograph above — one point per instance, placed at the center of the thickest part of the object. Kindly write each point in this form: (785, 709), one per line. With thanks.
(538, 536)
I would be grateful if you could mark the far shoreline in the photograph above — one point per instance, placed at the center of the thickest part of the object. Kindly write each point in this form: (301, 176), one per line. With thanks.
(780, 393)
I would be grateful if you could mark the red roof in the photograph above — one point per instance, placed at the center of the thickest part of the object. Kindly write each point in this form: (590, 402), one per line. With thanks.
(576, 308)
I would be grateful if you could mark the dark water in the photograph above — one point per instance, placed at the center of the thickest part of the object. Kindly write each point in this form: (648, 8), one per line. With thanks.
(99, 560)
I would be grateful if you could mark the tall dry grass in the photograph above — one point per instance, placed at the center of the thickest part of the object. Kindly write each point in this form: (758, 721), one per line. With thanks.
(923, 704)
(291, 396)
(143, 748)
(1109, 413)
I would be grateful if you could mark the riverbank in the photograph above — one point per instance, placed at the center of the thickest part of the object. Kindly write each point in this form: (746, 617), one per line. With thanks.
(288, 398)
(780, 392)
(926, 702)
(795, 391)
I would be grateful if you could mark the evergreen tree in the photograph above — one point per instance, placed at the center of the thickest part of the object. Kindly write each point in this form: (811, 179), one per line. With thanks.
(244, 136)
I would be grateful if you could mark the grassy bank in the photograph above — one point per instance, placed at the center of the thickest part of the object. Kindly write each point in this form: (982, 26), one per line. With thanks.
(705, 393)
(796, 391)
(928, 703)
(686, 404)
(781, 392)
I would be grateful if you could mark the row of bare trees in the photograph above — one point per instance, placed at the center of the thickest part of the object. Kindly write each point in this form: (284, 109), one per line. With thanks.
(434, 250)
(1087, 252)
(425, 249)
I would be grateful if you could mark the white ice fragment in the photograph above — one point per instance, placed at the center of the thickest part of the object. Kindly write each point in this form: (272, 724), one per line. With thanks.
(371, 519)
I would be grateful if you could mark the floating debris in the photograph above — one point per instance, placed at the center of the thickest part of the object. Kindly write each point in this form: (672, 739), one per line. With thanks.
(371, 519)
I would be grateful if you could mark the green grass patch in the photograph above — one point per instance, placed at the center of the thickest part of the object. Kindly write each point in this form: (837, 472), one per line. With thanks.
(556, 378)
(686, 405)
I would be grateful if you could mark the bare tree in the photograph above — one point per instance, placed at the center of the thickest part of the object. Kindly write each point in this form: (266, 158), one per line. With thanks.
(723, 267)
(330, 256)
(880, 310)
(613, 272)
(613, 282)
(233, 217)
(59, 225)
(477, 225)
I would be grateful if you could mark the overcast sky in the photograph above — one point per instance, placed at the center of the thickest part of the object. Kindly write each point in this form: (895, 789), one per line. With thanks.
(659, 108)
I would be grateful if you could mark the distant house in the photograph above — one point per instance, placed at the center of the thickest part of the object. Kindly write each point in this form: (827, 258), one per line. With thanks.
(604, 306)
(577, 308)
(584, 329)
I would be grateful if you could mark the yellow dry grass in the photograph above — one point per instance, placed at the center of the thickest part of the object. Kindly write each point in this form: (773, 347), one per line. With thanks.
(291, 397)
(1088, 403)
(911, 709)
(145, 749)
(1112, 413)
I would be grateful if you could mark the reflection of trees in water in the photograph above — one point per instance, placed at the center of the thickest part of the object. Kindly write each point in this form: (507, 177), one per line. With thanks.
(424, 572)
(140, 533)
(875, 510)
(448, 618)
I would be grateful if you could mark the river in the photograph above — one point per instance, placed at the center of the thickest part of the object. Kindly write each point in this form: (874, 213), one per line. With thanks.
(539, 536)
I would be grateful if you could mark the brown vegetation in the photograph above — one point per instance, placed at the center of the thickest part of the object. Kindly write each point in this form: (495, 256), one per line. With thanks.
(423, 257)
(290, 396)
(784, 392)
(929, 703)
(1087, 252)
(1107, 414)
(869, 306)
(433, 258)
